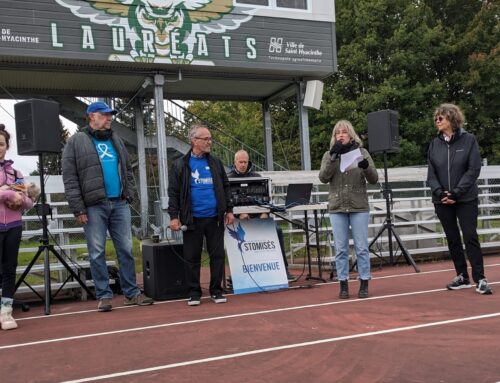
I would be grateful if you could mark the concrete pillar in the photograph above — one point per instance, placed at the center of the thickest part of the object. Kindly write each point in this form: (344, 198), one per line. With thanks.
(142, 187)
(305, 153)
(268, 137)
(161, 137)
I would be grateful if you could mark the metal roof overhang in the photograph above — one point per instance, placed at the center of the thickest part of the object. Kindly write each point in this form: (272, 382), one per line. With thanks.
(25, 77)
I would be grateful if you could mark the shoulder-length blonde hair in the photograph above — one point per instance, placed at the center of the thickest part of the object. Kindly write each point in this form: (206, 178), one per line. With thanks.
(344, 124)
(452, 113)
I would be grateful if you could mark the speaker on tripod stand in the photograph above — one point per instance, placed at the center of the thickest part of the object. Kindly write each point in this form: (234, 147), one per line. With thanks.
(383, 137)
(38, 131)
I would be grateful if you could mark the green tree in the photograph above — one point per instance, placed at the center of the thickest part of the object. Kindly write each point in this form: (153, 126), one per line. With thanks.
(481, 96)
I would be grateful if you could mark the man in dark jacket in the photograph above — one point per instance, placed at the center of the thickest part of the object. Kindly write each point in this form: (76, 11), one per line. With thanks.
(99, 184)
(200, 204)
(243, 167)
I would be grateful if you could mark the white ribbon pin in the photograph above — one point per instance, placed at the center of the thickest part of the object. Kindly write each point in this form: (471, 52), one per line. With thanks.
(103, 148)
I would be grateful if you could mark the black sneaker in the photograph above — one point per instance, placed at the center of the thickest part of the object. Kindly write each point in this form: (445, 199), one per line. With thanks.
(219, 298)
(483, 287)
(459, 282)
(194, 301)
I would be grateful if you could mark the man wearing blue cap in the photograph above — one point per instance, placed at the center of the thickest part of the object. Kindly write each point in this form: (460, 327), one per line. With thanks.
(99, 185)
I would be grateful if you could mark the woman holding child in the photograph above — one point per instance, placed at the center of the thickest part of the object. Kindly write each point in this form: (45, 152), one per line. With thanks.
(13, 200)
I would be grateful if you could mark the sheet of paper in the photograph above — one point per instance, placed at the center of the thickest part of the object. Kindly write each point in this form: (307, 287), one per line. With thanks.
(350, 160)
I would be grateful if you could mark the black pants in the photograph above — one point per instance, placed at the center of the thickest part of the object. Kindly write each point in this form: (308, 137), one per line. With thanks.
(466, 213)
(9, 248)
(213, 232)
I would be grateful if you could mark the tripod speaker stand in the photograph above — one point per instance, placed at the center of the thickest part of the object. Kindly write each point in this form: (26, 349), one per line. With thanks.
(43, 210)
(389, 226)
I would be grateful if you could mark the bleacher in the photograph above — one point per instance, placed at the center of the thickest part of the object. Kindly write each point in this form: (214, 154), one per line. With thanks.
(412, 214)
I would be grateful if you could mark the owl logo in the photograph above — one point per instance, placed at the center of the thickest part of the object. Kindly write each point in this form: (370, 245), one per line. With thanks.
(150, 24)
(196, 176)
(238, 234)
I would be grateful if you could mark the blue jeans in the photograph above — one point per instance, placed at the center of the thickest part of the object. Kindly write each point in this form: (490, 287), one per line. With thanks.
(359, 228)
(113, 216)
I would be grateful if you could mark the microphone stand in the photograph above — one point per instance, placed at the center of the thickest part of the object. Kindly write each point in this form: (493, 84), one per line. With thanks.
(389, 226)
(43, 209)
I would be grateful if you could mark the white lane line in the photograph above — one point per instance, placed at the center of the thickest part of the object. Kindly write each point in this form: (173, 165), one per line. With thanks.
(224, 317)
(284, 347)
(291, 288)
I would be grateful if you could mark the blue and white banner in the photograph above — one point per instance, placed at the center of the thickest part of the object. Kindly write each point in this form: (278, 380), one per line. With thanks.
(254, 255)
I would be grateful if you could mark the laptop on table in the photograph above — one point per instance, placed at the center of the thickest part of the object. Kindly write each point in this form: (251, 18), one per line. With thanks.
(298, 194)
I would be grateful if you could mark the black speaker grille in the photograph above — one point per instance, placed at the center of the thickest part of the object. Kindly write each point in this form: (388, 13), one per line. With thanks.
(383, 131)
(164, 271)
(38, 129)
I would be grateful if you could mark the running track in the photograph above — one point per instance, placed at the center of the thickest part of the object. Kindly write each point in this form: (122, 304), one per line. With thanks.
(411, 330)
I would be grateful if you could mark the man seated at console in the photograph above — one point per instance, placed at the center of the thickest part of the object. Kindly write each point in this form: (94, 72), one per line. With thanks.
(243, 167)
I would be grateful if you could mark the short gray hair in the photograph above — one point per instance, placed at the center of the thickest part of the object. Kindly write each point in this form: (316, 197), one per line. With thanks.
(241, 151)
(194, 129)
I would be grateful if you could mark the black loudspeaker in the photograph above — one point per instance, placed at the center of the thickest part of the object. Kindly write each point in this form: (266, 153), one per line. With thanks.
(38, 129)
(383, 131)
(164, 271)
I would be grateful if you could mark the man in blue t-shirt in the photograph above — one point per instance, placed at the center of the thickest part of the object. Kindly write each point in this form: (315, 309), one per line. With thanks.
(99, 186)
(200, 200)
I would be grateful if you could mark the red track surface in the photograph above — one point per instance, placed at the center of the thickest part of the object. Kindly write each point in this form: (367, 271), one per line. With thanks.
(410, 330)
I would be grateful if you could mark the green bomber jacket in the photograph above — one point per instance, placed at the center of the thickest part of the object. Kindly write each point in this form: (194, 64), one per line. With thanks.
(347, 192)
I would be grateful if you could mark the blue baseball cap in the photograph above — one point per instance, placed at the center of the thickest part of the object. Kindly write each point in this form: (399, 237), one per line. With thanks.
(101, 107)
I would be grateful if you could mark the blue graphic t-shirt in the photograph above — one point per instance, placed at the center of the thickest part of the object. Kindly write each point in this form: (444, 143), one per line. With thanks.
(109, 164)
(203, 200)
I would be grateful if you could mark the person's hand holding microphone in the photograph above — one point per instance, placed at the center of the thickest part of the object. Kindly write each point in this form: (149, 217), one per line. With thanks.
(339, 148)
(175, 225)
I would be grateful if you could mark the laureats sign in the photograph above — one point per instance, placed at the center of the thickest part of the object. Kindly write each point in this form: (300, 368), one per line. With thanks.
(215, 33)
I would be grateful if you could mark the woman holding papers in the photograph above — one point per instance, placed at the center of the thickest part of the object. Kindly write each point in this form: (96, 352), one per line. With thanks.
(346, 167)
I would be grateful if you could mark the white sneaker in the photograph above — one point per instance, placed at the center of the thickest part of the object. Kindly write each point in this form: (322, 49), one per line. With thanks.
(8, 322)
(219, 298)
(483, 287)
(194, 301)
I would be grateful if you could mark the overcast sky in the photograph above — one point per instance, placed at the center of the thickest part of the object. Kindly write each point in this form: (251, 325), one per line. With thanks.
(26, 164)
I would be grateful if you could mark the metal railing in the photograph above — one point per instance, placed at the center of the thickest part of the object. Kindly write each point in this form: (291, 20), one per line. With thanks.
(225, 144)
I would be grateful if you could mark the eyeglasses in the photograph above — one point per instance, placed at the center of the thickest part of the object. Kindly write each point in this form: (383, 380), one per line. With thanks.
(438, 119)
(206, 139)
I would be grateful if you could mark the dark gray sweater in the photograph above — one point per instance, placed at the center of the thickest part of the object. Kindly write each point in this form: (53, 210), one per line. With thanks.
(83, 176)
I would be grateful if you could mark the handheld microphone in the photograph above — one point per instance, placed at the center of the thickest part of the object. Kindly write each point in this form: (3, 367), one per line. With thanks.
(182, 228)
